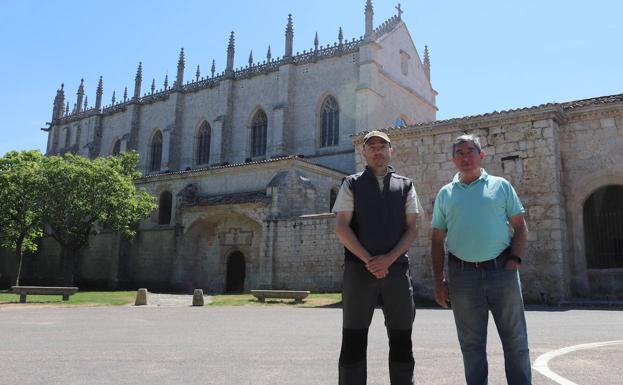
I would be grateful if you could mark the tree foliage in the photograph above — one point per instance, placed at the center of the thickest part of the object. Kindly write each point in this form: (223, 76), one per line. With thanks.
(72, 196)
(83, 193)
(21, 186)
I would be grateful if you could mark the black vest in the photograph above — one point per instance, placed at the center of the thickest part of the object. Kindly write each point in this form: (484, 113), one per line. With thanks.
(379, 219)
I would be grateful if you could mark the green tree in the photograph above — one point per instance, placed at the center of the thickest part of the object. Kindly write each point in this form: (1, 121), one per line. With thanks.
(82, 193)
(21, 207)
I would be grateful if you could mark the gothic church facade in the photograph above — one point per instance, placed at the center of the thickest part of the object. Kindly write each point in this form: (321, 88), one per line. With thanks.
(245, 163)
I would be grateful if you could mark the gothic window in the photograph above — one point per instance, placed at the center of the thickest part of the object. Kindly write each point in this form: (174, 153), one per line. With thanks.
(164, 208)
(329, 122)
(67, 137)
(155, 152)
(116, 148)
(603, 228)
(400, 122)
(203, 144)
(258, 134)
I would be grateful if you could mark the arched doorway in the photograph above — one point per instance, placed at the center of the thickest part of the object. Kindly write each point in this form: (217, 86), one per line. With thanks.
(603, 228)
(234, 282)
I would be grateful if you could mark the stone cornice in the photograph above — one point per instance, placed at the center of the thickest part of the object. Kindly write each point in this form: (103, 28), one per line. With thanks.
(595, 112)
(468, 123)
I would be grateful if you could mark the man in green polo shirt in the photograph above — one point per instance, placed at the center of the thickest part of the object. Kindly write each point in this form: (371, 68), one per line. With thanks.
(481, 220)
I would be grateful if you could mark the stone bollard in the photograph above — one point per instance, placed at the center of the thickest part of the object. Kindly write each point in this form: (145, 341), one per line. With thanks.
(141, 297)
(198, 297)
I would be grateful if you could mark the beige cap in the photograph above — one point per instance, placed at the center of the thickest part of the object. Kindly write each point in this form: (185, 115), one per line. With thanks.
(378, 134)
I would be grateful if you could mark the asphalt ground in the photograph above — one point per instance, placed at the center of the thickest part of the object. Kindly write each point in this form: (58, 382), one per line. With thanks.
(272, 345)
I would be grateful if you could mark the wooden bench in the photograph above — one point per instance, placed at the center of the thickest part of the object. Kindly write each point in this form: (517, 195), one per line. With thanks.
(296, 295)
(23, 291)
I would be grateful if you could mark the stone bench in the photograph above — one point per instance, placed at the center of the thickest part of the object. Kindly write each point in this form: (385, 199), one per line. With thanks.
(296, 295)
(23, 291)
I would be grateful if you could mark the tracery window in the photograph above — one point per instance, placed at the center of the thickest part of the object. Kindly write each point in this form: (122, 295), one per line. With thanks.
(329, 122)
(203, 143)
(258, 134)
(155, 152)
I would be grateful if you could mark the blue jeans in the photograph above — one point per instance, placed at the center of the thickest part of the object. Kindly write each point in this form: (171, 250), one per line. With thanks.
(475, 291)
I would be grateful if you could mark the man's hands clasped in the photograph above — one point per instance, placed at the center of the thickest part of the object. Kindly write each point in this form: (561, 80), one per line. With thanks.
(378, 265)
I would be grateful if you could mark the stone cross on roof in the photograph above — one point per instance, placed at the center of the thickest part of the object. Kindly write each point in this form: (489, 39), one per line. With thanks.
(400, 11)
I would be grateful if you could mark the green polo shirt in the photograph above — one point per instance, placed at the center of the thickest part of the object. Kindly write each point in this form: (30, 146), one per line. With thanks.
(476, 216)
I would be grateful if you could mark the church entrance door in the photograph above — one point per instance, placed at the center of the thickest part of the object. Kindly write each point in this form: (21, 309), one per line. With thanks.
(235, 273)
(603, 228)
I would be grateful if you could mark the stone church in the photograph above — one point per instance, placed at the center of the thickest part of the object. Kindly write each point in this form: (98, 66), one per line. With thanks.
(245, 165)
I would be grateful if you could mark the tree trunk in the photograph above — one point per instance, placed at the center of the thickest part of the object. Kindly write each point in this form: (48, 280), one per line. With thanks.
(20, 257)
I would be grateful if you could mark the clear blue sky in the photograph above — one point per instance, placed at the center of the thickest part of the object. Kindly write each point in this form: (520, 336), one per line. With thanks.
(485, 55)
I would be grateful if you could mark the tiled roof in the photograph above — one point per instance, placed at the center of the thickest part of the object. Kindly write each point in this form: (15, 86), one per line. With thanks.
(229, 199)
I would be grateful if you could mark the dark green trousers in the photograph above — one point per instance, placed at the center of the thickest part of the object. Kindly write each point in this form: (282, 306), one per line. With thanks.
(361, 293)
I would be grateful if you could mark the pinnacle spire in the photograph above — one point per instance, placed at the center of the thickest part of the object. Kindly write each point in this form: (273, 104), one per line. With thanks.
(113, 99)
(166, 81)
(99, 93)
(426, 62)
(197, 74)
(181, 64)
(268, 55)
(213, 68)
(153, 85)
(289, 37)
(86, 98)
(369, 12)
(340, 36)
(59, 103)
(316, 42)
(230, 54)
(138, 79)
(67, 109)
(251, 59)
(80, 94)
(125, 94)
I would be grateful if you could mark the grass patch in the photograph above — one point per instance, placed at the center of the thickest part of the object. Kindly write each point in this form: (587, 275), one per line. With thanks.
(313, 300)
(94, 298)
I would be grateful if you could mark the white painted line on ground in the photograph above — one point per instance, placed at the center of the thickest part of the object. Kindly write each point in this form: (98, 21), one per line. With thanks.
(540, 365)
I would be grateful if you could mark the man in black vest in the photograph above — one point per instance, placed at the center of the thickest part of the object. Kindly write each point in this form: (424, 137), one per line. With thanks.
(376, 213)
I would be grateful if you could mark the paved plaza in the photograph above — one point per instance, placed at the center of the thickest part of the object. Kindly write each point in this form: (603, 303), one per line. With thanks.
(274, 345)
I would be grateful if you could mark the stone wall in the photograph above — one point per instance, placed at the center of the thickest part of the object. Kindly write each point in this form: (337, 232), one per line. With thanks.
(521, 147)
(592, 155)
(308, 255)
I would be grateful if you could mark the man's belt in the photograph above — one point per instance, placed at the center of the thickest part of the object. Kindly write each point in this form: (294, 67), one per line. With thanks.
(488, 264)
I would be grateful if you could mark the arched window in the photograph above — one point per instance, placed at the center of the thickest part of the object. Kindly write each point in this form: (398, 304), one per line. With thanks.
(164, 208)
(203, 143)
(155, 152)
(67, 137)
(258, 134)
(603, 228)
(400, 122)
(329, 122)
(116, 148)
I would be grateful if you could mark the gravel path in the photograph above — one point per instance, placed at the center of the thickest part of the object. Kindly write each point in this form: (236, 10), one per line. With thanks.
(173, 300)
